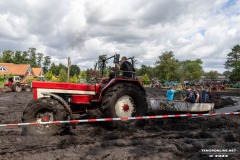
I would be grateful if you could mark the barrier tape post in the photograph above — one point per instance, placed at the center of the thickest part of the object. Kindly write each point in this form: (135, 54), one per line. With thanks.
(118, 119)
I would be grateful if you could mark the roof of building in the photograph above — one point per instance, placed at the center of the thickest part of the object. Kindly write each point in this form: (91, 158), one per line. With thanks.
(37, 71)
(16, 69)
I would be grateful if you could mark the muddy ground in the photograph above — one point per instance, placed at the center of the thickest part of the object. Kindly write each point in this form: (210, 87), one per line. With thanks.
(174, 139)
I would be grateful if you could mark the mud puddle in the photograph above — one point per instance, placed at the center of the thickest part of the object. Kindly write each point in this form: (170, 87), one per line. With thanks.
(230, 108)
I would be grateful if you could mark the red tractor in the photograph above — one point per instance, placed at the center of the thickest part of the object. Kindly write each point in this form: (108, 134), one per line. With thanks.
(155, 83)
(14, 84)
(119, 97)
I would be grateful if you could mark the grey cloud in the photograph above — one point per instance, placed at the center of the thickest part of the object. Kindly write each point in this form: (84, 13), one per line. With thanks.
(142, 28)
(154, 12)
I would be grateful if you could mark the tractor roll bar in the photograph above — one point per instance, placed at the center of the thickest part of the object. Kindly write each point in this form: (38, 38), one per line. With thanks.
(116, 60)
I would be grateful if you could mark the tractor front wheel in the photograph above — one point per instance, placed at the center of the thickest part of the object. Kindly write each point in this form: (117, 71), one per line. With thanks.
(124, 100)
(44, 110)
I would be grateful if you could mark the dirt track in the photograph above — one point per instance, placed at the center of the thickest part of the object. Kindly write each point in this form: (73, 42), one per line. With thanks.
(178, 139)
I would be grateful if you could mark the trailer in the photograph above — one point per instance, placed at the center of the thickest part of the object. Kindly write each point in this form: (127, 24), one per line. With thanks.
(161, 105)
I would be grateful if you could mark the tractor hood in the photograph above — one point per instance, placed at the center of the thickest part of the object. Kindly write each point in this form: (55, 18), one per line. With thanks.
(40, 87)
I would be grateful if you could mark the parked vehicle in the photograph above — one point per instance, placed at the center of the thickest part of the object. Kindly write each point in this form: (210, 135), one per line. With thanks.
(155, 83)
(237, 85)
(218, 87)
(14, 84)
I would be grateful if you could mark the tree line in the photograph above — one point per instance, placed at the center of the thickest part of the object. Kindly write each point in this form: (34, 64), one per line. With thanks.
(39, 60)
(166, 67)
(31, 56)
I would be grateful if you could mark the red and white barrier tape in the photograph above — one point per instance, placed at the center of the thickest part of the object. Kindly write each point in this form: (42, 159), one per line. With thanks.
(118, 119)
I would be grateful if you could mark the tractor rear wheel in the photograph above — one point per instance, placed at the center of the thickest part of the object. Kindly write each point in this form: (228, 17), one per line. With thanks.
(124, 100)
(17, 87)
(44, 110)
(27, 88)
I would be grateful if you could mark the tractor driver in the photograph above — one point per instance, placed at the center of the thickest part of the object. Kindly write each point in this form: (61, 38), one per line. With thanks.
(126, 67)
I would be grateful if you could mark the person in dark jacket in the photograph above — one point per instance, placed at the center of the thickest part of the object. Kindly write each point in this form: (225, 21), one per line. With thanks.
(205, 96)
(198, 95)
(126, 67)
(190, 96)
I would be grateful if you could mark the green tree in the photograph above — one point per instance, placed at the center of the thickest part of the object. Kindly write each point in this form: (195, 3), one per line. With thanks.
(88, 74)
(227, 74)
(101, 62)
(32, 57)
(233, 63)
(83, 75)
(25, 57)
(39, 59)
(7, 56)
(74, 70)
(63, 75)
(49, 75)
(191, 69)
(145, 70)
(135, 62)
(54, 68)
(101, 58)
(145, 79)
(46, 63)
(18, 59)
(74, 79)
(213, 75)
(62, 66)
(2, 79)
(167, 67)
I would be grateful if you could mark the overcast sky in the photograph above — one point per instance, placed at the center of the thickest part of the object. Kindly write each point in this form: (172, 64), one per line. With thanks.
(205, 29)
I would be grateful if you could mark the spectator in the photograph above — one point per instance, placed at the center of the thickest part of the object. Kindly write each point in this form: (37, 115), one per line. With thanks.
(170, 94)
(211, 95)
(204, 94)
(190, 97)
(198, 95)
(179, 93)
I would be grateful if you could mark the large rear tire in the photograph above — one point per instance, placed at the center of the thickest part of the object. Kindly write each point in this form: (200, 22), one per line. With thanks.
(44, 110)
(124, 100)
(27, 88)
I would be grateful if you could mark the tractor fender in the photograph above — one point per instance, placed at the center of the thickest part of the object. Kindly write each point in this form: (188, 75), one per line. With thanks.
(61, 100)
(120, 80)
